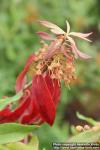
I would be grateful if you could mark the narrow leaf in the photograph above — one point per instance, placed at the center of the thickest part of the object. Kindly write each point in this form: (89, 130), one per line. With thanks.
(88, 119)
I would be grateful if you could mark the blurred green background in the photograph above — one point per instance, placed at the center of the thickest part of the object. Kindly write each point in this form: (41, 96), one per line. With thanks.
(18, 39)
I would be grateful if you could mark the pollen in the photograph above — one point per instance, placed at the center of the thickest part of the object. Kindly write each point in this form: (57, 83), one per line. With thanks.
(32, 69)
(59, 66)
(62, 68)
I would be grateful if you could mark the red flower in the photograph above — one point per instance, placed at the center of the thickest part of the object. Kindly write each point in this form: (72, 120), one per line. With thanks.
(21, 80)
(52, 64)
(39, 100)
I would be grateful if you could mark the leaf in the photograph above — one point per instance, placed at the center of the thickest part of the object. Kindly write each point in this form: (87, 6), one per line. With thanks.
(32, 145)
(13, 132)
(89, 120)
(86, 136)
(17, 146)
(34, 142)
(20, 146)
(6, 101)
(3, 147)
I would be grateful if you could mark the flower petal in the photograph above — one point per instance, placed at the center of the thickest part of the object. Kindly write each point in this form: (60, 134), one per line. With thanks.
(73, 46)
(57, 31)
(83, 55)
(45, 36)
(20, 82)
(5, 111)
(15, 114)
(43, 99)
(54, 28)
(81, 35)
(30, 115)
(54, 88)
(49, 83)
(68, 27)
(31, 112)
(76, 51)
(52, 49)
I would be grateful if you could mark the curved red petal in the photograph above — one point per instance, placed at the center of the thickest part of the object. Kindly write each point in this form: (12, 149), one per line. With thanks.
(43, 99)
(14, 115)
(20, 82)
(5, 111)
(49, 83)
(54, 88)
(30, 114)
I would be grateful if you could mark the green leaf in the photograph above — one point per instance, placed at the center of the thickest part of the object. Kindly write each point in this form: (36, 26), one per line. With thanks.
(3, 147)
(6, 101)
(34, 142)
(89, 120)
(86, 136)
(32, 145)
(13, 132)
(18, 146)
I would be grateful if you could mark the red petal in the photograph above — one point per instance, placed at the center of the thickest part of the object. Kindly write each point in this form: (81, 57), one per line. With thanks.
(49, 83)
(5, 111)
(30, 115)
(45, 36)
(54, 88)
(20, 82)
(14, 115)
(43, 99)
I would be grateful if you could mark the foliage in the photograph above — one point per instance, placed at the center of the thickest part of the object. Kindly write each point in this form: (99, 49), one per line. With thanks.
(10, 130)
(32, 145)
